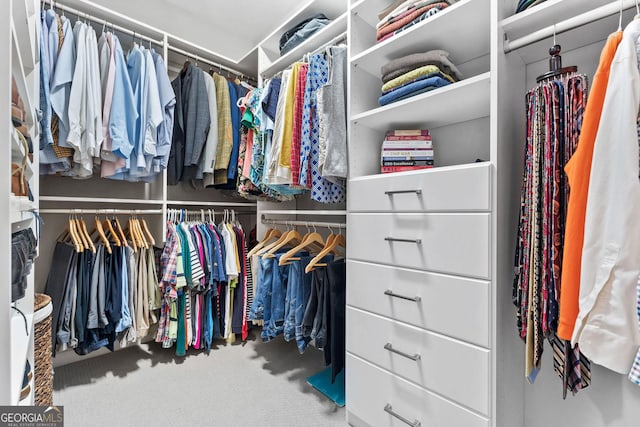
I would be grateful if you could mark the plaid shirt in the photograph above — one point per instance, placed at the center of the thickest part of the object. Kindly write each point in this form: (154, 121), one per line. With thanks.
(634, 374)
(169, 258)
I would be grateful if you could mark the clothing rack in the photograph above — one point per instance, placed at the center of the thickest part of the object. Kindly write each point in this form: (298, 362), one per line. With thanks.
(330, 225)
(106, 23)
(569, 24)
(333, 41)
(197, 59)
(102, 211)
(162, 41)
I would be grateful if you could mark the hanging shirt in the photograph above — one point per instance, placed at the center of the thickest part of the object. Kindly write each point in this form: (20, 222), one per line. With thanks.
(208, 161)
(225, 130)
(168, 104)
(124, 114)
(607, 327)
(321, 190)
(578, 170)
(154, 108)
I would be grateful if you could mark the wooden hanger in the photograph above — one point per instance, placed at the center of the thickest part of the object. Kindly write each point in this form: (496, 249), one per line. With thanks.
(90, 244)
(339, 240)
(145, 228)
(70, 236)
(310, 239)
(292, 236)
(101, 234)
(112, 232)
(272, 233)
(121, 235)
(132, 237)
(79, 232)
(141, 235)
(268, 247)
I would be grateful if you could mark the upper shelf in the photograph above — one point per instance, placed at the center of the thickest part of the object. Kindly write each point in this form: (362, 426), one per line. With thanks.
(441, 31)
(459, 102)
(332, 9)
(337, 27)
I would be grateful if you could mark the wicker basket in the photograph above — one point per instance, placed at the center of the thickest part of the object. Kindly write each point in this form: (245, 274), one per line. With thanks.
(43, 367)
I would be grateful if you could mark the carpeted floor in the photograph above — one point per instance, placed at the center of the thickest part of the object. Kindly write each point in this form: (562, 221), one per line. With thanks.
(250, 384)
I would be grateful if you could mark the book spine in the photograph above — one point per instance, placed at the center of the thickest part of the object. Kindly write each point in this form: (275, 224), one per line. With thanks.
(407, 138)
(408, 163)
(408, 132)
(391, 169)
(407, 153)
(408, 159)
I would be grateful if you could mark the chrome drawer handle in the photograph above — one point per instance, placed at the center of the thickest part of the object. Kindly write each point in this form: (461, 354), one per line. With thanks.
(391, 294)
(389, 409)
(391, 193)
(393, 239)
(414, 357)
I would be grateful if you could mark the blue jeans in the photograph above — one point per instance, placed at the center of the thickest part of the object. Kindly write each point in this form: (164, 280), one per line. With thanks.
(295, 295)
(274, 313)
(265, 275)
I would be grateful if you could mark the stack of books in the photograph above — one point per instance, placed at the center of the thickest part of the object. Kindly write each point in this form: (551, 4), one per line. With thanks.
(406, 150)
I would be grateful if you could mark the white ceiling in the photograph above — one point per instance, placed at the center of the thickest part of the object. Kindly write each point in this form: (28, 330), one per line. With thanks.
(231, 29)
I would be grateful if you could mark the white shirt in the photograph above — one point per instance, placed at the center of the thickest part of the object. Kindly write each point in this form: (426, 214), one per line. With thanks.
(607, 325)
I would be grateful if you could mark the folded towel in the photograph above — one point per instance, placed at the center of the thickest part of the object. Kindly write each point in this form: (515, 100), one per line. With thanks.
(419, 19)
(415, 75)
(413, 89)
(407, 19)
(400, 66)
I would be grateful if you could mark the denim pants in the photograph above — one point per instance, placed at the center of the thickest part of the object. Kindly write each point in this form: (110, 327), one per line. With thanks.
(274, 312)
(293, 298)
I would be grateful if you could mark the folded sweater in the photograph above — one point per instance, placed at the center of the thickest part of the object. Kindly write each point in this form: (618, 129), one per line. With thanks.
(408, 4)
(407, 19)
(411, 8)
(419, 19)
(400, 66)
(413, 89)
(415, 75)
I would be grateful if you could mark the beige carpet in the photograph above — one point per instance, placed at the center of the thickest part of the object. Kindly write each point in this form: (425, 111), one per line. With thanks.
(250, 384)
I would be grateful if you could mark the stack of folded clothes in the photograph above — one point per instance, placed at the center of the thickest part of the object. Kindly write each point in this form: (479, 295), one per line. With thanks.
(526, 4)
(406, 14)
(415, 74)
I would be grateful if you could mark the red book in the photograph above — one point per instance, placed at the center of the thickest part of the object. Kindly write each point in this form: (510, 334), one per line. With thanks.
(391, 169)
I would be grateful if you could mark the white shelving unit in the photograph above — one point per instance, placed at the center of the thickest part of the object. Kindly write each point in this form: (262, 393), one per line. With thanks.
(22, 55)
(417, 236)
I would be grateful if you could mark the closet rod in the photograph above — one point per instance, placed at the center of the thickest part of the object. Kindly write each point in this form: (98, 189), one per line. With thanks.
(102, 211)
(333, 41)
(329, 225)
(567, 25)
(80, 14)
(198, 58)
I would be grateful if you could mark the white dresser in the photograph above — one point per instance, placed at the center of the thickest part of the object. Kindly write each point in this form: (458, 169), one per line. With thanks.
(418, 298)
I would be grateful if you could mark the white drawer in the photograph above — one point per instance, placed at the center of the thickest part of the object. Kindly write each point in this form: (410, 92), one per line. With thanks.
(456, 243)
(450, 305)
(456, 370)
(455, 188)
(369, 390)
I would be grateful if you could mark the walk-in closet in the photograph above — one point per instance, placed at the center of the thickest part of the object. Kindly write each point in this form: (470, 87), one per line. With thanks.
(323, 213)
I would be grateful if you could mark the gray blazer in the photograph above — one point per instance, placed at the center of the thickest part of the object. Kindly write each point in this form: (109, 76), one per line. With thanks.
(191, 125)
